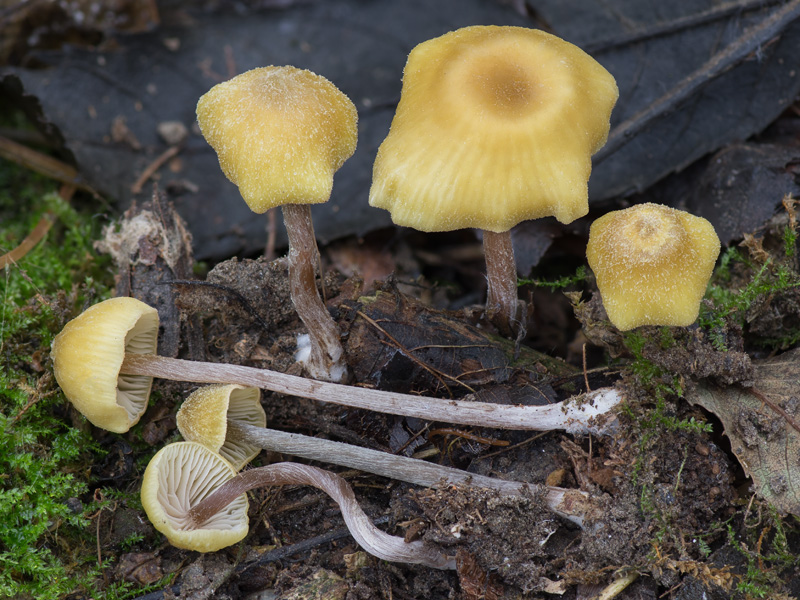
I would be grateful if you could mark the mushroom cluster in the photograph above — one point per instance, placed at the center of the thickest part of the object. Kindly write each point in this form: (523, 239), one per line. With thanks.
(228, 420)
(495, 125)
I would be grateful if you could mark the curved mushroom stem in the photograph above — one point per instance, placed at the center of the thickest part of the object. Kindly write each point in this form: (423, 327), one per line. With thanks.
(372, 539)
(589, 416)
(503, 306)
(326, 360)
(402, 468)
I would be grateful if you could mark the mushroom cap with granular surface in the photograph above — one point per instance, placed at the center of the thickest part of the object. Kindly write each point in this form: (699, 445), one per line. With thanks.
(177, 478)
(203, 418)
(280, 134)
(652, 264)
(88, 354)
(495, 125)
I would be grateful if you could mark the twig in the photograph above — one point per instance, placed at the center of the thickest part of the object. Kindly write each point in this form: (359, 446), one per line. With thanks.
(41, 163)
(763, 397)
(616, 587)
(33, 238)
(39, 231)
(153, 167)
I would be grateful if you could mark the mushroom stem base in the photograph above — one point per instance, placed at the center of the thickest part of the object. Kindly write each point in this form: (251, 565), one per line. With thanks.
(503, 306)
(326, 361)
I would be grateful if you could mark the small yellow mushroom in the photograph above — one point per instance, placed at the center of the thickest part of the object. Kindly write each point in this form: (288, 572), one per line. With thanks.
(280, 134)
(178, 478)
(88, 355)
(204, 416)
(652, 264)
(495, 125)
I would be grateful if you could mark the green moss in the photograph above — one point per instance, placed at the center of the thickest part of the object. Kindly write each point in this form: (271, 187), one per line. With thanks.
(730, 304)
(579, 276)
(45, 504)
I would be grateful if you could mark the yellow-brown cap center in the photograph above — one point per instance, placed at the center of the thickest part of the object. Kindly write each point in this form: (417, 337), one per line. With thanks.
(504, 88)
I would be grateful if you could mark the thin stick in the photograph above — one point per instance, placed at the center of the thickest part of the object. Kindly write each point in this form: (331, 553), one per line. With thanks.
(570, 416)
(153, 167)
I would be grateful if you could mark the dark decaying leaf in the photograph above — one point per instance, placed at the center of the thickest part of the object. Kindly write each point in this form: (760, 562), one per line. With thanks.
(694, 75)
(743, 185)
(398, 343)
(763, 425)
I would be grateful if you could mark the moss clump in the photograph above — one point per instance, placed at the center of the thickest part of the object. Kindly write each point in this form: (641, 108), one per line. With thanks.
(45, 506)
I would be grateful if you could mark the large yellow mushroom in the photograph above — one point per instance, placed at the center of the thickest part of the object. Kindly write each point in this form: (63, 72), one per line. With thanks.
(495, 125)
(652, 264)
(280, 134)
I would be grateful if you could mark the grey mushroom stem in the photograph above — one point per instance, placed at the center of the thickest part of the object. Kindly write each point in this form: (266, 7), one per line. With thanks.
(369, 537)
(326, 360)
(593, 413)
(503, 306)
(402, 468)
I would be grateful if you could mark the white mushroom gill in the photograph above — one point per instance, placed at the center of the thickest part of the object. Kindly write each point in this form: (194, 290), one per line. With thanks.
(186, 478)
(133, 391)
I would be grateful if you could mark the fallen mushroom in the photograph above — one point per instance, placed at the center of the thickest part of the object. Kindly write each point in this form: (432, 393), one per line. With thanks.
(280, 134)
(495, 125)
(576, 415)
(203, 417)
(193, 496)
(220, 417)
(652, 264)
(87, 356)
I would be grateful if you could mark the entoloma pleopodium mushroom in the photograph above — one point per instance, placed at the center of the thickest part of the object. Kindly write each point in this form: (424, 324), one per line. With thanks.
(280, 134)
(652, 264)
(87, 356)
(204, 415)
(192, 495)
(578, 415)
(495, 125)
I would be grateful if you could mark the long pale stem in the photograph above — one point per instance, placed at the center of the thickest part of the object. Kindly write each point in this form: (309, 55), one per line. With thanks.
(589, 416)
(401, 468)
(326, 360)
(503, 306)
(372, 539)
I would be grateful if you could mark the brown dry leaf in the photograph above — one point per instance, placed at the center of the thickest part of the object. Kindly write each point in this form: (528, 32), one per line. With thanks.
(476, 583)
(764, 438)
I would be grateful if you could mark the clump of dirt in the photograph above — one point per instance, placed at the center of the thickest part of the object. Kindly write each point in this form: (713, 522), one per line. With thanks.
(248, 312)
(512, 536)
(685, 351)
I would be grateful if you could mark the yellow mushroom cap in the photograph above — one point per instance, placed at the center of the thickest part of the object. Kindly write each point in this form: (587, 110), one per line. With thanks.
(177, 478)
(652, 264)
(280, 134)
(495, 125)
(88, 354)
(203, 418)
